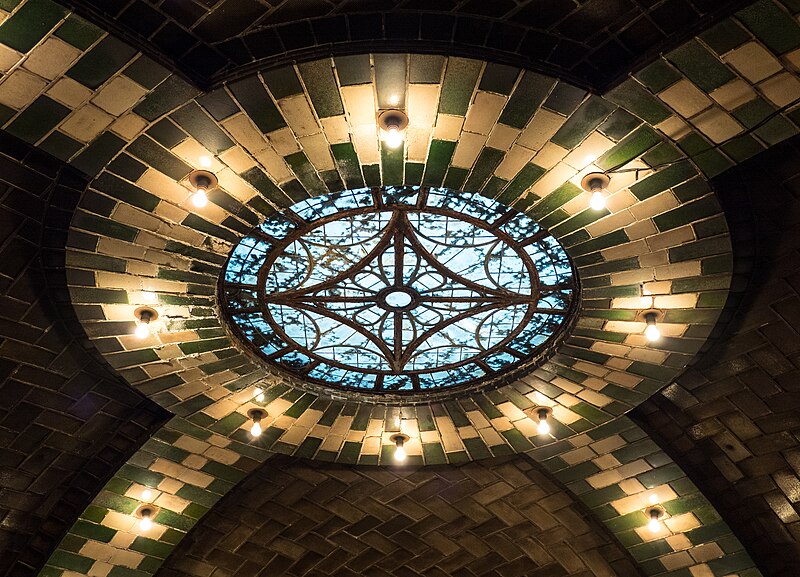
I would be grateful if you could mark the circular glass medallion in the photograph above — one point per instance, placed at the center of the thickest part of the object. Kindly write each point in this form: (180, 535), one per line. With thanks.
(398, 290)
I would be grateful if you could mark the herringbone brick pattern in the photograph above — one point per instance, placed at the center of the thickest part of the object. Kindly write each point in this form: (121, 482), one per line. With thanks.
(493, 518)
(733, 419)
(66, 423)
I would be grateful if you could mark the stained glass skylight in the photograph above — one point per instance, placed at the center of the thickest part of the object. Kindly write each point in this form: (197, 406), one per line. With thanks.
(398, 289)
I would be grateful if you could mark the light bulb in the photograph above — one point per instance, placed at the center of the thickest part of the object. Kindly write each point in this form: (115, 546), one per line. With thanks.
(142, 330)
(147, 494)
(654, 525)
(255, 430)
(393, 137)
(400, 454)
(199, 198)
(146, 523)
(543, 428)
(598, 201)
(652, 333)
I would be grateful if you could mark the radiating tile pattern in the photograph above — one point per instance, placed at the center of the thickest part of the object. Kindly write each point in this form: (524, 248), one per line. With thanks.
(615, 470)
(493, 517)
(66, 422)
(593, 41)
(733, 417)
(282, 135)
(729, 93)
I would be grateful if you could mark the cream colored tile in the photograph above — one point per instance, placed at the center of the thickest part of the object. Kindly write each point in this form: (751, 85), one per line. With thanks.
(685, 98)
(417, 143)
(243, 131)
(717, 124)
(588, 151)
(502, 137)
(86, 123)
(129, 126)
(448, 127)
(51, 58)
(733, 94)
(484, 112)
(274, 165)
(781, 89)
(283, 141)
(674, 127)
(540, 129)
(336, 129)
(550, 155)
(556, 177)
(237, 159)
(19, 88)
(514, 161)
(69, 92)
(753, 61)
(423, 100)
(317, 151)
(467, 149)
(360, 104)
(298, 114)
(8, 58)
(119, 95)
(366, 142)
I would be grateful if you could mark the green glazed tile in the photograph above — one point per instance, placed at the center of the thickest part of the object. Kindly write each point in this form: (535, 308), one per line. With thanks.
(60, 145)
(564, 98)
(28, 25)
(392, 165)
(459, 82)
(584, 120)
(773, 26)
(487, 161)
(635, 99)
(700, 66)
(658, 76)
(498, 78)
(425, 69)
(725, 36)
(38, 119)
(321, 85)
(78, 32)
(348, 164)
(101, 62)
(439, 155)
(455, 178)
(253, 97)
(282, 82)
(629, 148)
(390, 80)
(531, 91)
(353, 69)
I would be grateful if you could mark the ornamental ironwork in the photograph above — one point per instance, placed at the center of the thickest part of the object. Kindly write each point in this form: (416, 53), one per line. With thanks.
(398, 289)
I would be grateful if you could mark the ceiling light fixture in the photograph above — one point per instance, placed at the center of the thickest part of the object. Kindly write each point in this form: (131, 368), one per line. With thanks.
(202, 181)
(146, 514)
(654, 516)
(256, 415)
(651, 331)
(399, 440)
(541, 415)
(596, 183)
(145, 315)
(392, 123)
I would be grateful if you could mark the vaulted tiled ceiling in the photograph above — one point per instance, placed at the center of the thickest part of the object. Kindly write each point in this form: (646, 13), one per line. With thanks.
(494, 517)
(134, 129)
(594, 42)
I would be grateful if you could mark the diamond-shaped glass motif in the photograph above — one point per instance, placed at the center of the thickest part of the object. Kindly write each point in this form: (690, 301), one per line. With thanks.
(398, 289)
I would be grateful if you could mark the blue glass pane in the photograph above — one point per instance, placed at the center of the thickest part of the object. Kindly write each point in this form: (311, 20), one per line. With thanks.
(418, 293)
